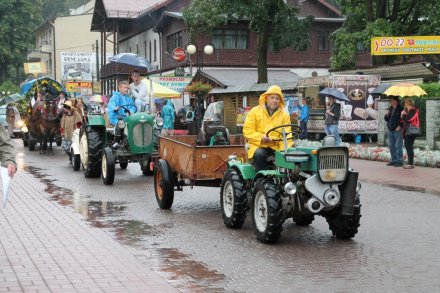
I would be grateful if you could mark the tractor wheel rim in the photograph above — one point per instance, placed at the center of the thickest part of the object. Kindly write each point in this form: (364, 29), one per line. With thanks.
(159, 190)
(104, 167)
(228, 199)
(260, 211)
(84, 151)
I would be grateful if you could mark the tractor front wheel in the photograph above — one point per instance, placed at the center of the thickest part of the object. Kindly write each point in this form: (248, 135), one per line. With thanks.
(267, 211)
(233, 200)
(108, 167)
(345, 226)
(163, 184)
(76, 161)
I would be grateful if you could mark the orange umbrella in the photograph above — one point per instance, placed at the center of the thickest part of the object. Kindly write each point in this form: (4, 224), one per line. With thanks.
(405, 89)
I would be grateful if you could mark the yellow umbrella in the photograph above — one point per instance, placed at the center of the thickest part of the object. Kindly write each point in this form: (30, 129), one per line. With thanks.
(159, 90)
(405, 89)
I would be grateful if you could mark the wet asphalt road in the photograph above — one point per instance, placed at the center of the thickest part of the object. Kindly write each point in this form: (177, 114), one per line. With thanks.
(396, 250)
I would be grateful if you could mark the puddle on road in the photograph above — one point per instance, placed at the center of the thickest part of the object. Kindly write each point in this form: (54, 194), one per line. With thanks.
(174, 266)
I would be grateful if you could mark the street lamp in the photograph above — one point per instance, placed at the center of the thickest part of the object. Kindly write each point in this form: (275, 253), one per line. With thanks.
(192, 49)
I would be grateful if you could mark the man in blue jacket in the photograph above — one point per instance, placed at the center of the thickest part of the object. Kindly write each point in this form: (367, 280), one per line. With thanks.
(395, 135)
(303, 117)
(119, 99)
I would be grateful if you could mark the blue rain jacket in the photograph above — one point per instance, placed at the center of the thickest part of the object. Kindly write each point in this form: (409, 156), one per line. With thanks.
(168, 115)
(118, 100)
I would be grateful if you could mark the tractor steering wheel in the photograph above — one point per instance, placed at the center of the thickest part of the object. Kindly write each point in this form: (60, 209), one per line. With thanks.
(295, 131)
(125, 107)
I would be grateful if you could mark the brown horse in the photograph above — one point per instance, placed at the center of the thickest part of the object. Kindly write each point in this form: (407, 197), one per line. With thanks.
(46, 123)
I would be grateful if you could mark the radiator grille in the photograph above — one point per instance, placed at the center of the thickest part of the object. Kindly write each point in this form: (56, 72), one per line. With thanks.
(333, 164)
(142, 134)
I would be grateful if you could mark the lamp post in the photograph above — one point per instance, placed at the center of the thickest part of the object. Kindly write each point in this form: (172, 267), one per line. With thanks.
(192, 49)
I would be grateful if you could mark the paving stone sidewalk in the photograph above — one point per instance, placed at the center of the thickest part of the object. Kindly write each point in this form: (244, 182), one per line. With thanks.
(422, 179)
(46, 247)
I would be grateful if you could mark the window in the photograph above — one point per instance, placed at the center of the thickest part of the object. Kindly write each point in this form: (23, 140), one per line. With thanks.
(230, 39)
(174, 41)
(155, 51)
(323, 41)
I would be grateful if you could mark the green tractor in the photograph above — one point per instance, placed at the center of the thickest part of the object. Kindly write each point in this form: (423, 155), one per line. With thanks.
(304, 182)
(92, 140)
(131, 141)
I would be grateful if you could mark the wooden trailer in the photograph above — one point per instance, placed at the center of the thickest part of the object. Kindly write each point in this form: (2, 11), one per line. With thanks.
(183, 163)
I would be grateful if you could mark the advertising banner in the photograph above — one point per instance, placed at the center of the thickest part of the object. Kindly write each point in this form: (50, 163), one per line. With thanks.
(177, 83)
(78, 66)
(405, 45)
(360, 115)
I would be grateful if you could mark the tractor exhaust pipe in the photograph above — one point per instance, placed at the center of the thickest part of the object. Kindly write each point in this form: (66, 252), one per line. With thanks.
(349, 193)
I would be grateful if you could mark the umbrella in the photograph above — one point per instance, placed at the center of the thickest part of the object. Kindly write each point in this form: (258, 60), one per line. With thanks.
(380, 89)
(10, 99)
(98, 99)
(332, 92)
(159, 90)
(44, 84)
(405, 89)
(132, 59)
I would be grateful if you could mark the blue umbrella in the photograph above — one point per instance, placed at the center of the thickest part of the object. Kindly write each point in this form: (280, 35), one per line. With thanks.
(332, 92)
(45, 84)
(133, 60)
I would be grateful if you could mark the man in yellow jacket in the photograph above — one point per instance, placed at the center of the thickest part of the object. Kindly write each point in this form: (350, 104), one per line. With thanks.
(268, 114)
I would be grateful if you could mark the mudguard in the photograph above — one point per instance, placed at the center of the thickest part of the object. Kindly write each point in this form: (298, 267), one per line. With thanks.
(246, 170)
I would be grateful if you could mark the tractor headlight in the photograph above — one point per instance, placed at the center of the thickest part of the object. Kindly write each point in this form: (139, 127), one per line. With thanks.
(20, 123)
(121, 124)
(290, 188)
(296, 157)
(24, 129)
(159, 122)
(331, 197)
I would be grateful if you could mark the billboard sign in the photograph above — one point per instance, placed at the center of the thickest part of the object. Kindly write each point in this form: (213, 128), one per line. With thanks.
(412, 45)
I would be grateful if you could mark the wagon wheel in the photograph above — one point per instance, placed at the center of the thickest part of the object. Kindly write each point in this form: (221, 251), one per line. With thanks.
(163, 184)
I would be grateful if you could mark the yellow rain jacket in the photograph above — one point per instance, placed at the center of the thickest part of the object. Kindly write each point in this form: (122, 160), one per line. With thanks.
(258, 122)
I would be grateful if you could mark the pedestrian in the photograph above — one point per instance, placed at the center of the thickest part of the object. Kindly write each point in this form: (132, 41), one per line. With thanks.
(332, 119)
(12, 116)
(139, 91)
(168, 117)
(7, 153)
(69, 122)
(268, 114)
(410, 117)
(303, 117)
(395, 138)
(120, 104)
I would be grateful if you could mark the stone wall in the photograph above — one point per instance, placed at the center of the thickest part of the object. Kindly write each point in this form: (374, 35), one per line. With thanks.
(382, 133)
(432, 123)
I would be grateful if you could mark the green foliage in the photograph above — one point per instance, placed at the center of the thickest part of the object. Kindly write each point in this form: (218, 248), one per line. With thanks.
(17, 21)
(198, 88)
(432, 89)
(9, 86)
(274, 21)
(374, 18)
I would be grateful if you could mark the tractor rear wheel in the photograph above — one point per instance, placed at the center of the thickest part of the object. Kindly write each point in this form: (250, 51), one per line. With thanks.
(233, 200)
(163, 184)
(91, 146)
(267, 211)
(108, 167)
(123, 165)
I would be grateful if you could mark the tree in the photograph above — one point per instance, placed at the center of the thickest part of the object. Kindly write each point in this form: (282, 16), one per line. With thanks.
(18, 18)
(274, 21)
(375, 18)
